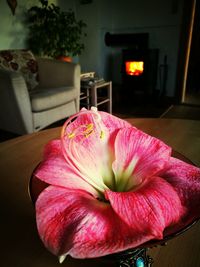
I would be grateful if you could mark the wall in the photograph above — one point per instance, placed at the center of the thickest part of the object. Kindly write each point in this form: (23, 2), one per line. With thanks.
(13, 31)
(161, 19)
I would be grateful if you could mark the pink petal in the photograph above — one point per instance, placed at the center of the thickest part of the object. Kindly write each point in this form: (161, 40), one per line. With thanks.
(185, 179)
(138, 156)
(52, 148)
(154, 206)
(85, 147)
(54, 170)
(113, 123)
(73, 222)
(90, 157)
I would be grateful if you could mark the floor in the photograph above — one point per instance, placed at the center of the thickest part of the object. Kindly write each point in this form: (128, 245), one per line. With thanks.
(148, 109)
(184, 111)
(192, 97)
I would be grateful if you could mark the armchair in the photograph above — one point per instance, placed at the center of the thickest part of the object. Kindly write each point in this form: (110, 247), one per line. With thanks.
(27, 107)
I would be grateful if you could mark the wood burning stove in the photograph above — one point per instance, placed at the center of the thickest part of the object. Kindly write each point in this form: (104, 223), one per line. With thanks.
(139, 64)
(139, 70)
(134, 69)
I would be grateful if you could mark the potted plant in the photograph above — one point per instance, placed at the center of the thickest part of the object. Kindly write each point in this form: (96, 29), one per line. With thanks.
(54, 33)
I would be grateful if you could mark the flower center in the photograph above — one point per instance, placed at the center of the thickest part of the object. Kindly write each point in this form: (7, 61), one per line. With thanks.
(86, 149)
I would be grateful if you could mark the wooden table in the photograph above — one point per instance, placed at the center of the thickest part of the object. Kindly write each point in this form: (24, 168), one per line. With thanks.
(20, 245)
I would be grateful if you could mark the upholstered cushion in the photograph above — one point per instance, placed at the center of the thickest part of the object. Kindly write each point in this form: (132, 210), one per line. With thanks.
(45, 99)
(22, 61)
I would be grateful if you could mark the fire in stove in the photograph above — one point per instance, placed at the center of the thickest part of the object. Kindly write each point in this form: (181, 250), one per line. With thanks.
(134, 68)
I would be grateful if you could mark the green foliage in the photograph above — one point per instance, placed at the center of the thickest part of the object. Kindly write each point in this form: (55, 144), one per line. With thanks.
(53, 32)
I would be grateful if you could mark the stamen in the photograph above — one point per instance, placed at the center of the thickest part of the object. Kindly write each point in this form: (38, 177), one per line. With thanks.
(89, 130)
(102, 135)
(86, 135)
(71, 135)
(89, 126)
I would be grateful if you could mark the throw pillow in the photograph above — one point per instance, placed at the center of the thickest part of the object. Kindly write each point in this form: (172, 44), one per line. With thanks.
(22, 61)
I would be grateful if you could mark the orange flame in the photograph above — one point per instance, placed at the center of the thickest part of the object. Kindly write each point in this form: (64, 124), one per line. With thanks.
(134, 67)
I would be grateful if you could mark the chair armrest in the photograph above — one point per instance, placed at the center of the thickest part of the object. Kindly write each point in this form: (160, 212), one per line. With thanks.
(55, 73)
(15, 106)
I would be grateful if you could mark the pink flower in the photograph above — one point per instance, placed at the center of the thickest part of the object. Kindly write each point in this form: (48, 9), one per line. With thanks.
(111, 187)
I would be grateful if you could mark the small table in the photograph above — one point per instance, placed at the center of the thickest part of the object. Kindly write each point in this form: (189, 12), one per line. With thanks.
(92, 97)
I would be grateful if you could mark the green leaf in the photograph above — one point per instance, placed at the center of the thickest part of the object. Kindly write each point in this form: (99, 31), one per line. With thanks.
(54, 32)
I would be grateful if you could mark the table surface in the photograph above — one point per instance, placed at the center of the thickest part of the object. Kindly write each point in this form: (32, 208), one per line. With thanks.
(20, 245)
